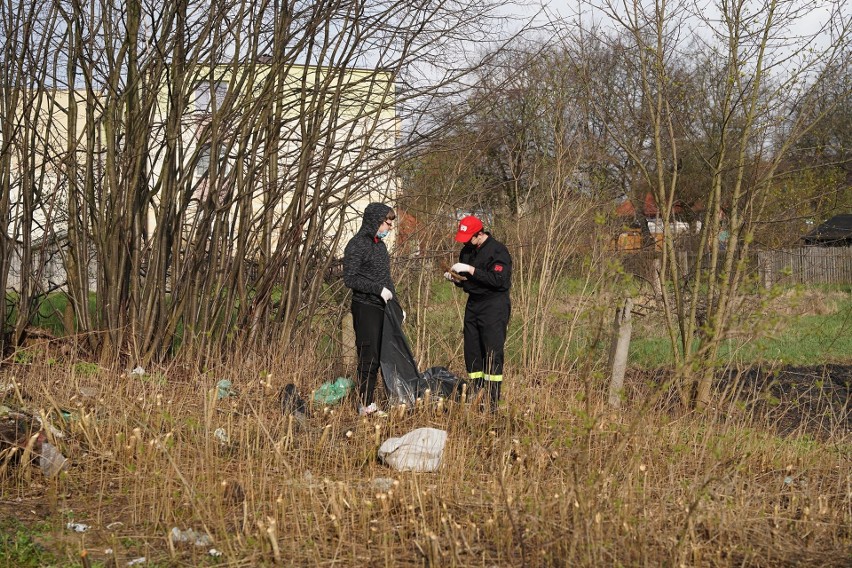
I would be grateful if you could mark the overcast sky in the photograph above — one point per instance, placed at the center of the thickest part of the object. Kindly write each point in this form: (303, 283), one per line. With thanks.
(814, 13)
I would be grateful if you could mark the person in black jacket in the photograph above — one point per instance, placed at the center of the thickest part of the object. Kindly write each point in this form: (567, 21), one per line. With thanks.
(486, 266)
(366, 270)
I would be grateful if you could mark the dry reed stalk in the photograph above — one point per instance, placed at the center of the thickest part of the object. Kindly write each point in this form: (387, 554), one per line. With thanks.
(400, 410)
(17, 388)
(6, 455)
(288, 440)
(272, 533)
(26, 457)
(377, 436)
(324, 436)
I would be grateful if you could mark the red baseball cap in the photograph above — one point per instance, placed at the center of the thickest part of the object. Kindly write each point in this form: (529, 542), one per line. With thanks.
(468, 227)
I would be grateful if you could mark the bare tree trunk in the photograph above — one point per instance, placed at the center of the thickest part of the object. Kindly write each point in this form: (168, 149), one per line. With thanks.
(347, 348)
(622, 330)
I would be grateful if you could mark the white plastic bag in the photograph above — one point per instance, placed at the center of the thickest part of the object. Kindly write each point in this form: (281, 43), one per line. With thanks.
(52, 461)
(189, 535)
(419, 450)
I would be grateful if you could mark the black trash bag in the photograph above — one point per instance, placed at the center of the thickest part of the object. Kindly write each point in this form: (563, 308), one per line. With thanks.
(441, 382)
(399, 369)
(404, 382)
(291, 402)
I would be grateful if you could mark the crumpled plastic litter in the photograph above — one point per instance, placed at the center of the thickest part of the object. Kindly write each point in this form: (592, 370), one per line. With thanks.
(419, 450)
(51, 460)
(189, 535)
(224, 389)
(332, 393)
(221, 436)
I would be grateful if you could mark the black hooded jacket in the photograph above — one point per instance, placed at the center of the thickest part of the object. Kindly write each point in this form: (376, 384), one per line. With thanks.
(366, 262)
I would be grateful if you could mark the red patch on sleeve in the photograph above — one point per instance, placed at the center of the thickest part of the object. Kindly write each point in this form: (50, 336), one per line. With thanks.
(498, 268)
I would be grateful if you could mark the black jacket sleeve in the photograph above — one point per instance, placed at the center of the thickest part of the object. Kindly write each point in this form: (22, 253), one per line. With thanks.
(493, 271)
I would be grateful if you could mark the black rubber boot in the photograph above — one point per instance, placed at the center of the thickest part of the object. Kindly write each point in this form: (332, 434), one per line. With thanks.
(493, 394)
(474, 390)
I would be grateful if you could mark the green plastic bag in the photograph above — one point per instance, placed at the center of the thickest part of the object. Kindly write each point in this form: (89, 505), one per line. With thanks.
(331, 393)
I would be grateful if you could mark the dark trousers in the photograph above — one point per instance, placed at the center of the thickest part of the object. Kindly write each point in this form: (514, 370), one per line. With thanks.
(485, 323)
(367, 320)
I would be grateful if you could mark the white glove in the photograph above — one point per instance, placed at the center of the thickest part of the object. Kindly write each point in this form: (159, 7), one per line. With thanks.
(448, 276)
(460, 267)
(386, 295)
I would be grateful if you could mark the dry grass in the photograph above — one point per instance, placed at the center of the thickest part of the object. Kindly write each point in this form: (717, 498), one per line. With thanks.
(806, 302)
(553, 480)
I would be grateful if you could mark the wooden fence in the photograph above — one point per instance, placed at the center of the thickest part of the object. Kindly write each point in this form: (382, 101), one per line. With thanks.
(806, 265)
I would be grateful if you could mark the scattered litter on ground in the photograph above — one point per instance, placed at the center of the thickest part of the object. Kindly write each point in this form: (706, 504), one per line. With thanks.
(224, 389)
(54, 431)
(382, 483)
(418, 450)
(214, 553)
(221, 436)
(114, 525)
(440, 382)
(137, 372)
(292, 403)
(189, 535)
(89, 392)
(68, 415)
(51, 460)
(136, 561)
(77, 527)
(333, 392)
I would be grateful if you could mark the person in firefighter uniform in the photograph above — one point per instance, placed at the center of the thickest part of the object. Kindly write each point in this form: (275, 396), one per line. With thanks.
(484, 271)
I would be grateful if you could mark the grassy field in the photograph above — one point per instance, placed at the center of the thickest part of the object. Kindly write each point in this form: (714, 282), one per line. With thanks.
(555, 478)
(800, 328)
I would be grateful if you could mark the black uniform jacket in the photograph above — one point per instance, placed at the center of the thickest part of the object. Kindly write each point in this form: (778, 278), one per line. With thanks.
(493, 274)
